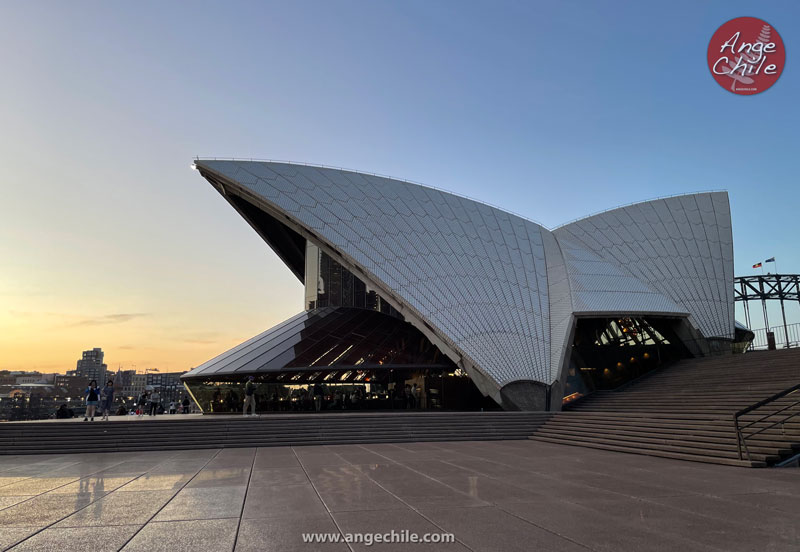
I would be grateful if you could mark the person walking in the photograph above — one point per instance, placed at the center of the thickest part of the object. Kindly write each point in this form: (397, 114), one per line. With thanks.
(155, 402)
(249, 396)
(107, 399)
(92, 398)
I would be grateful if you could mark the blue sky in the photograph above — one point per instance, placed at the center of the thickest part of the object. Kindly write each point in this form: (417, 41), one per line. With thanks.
(551, 110)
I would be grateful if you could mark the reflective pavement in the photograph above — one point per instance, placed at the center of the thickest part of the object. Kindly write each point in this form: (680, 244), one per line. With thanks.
(502, 495)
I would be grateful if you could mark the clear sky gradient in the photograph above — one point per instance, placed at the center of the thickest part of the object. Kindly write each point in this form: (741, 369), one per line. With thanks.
(553, 110)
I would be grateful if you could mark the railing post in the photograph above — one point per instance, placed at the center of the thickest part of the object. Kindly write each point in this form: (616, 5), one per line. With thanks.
(738, 435)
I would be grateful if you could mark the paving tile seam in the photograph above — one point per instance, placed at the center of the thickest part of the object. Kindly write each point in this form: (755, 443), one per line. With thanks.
(640, 499)
(654, 534)
(244, 499)
(494, 478)
(31, 497)
(327, 508)
(727, 498)
(549, 477)
(546, 529)
(409, 506)
(426, 475)
(492, 504)
(24, 478)
(753, 529)
(546, 476)
(87, 505)
(150, 519)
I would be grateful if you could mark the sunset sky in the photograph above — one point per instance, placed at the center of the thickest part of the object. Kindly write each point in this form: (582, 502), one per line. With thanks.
(108, 239)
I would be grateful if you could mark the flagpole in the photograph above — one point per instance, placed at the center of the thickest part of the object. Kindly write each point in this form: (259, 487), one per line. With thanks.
(773, 261)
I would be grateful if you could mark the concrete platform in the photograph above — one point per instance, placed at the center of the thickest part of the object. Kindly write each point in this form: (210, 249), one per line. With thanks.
(493, 496)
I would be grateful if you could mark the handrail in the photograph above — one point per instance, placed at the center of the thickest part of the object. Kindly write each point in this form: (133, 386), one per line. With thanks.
(741, 443)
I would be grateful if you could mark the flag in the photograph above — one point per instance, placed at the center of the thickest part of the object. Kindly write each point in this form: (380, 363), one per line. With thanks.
(757, 265)
(770, 260)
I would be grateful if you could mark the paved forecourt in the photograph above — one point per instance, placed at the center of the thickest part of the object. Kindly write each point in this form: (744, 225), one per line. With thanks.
(501, 495)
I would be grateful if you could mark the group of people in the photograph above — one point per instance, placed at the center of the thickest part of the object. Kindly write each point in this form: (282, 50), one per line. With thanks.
(319, 397)
(95, 397)
(408, 396)
(148, 403)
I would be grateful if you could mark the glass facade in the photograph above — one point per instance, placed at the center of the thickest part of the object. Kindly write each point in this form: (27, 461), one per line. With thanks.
(337, 359)
(343, 390)
(609, 352)
(329, 284)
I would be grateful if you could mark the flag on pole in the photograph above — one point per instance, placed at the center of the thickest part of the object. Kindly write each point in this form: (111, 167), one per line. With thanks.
(770, 260)
(757, 265)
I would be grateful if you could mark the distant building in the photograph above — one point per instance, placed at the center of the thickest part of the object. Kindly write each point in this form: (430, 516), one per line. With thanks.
(91, 366)
(47, 378)
(70, 385)
(169, 385)
(29, 377)
(138, 384)
(19, 377)
(129, 384)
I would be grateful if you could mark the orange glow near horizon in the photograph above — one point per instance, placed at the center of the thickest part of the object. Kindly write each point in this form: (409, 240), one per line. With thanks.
(171, 321)
(48, 342)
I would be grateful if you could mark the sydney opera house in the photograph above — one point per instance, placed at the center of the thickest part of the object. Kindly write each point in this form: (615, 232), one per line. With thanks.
(420, 298)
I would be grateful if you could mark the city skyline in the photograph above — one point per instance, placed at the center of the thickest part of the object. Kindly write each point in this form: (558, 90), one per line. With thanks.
(109, 240)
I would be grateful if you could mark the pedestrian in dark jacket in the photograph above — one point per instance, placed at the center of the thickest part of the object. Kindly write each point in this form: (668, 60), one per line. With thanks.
(92, 398)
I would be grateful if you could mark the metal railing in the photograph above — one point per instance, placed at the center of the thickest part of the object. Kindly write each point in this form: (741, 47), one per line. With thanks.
(741, 437)
(760, 341)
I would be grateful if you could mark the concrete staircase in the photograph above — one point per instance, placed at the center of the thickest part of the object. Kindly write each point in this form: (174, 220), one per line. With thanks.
(686, 411)
(175, 433)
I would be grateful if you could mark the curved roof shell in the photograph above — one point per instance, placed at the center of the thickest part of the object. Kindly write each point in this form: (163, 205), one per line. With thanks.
(496, 292)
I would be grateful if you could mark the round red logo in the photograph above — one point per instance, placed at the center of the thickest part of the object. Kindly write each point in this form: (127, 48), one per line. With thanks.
(746, 55)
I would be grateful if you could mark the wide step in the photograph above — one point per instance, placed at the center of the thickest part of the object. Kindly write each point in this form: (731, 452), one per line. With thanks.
(266, 431)
(686, 411)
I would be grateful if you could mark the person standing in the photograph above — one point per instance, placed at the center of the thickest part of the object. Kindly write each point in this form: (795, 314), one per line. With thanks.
(172, 409)
(140, 409)
(92, 398)
(107, 399)
(409, 396)
(186, 405)
(317, 397)
(249, 396)
(416, 395)
(155, 402)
